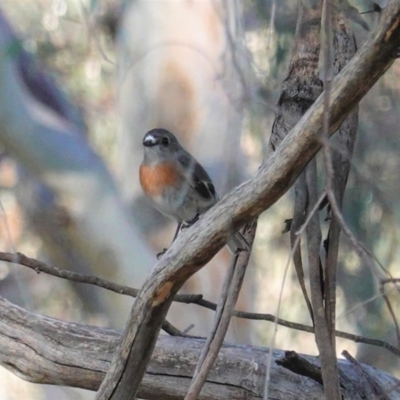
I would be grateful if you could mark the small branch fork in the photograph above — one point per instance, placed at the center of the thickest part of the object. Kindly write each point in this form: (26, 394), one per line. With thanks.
(41, 267)
(226, 306)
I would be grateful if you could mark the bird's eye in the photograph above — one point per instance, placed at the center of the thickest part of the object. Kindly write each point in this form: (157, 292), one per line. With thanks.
(165, 141)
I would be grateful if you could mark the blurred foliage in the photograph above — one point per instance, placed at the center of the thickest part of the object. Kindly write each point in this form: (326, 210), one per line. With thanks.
(63, 35)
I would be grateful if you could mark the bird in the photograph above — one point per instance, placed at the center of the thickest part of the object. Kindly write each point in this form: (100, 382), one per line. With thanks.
(177, 185)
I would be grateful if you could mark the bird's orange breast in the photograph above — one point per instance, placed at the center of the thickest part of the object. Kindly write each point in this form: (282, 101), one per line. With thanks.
(154, 179)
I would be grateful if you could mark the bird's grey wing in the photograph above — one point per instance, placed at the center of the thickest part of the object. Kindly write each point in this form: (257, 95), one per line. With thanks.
(201, 182)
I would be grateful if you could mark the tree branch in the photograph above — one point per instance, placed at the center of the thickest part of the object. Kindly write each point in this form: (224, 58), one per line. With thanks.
(197, 299)
(368, 380)
(226, 307)
(40, 266)
(49, 351)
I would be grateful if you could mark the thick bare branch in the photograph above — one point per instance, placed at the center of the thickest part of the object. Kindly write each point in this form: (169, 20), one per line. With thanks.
(46, 350)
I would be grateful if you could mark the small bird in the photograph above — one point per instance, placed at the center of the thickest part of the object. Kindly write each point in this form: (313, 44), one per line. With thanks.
(177, 185)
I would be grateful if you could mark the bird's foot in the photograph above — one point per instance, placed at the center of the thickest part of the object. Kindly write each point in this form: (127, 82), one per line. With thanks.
(188, 224)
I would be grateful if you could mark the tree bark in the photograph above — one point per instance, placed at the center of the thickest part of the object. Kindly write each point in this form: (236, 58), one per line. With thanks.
(46, 350)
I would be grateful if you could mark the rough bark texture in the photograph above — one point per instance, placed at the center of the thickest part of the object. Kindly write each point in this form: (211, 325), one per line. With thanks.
(46, 350)
(299, 91)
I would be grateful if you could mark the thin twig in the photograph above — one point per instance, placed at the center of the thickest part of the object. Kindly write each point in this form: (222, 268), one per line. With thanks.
(276, 320)
(197, 299)
(215, 337)
(230, 293)
(173, 331)
(299, 214)
(359, 247)
(362, 304)
(390, 280)
(372, 384)
(271, 26)
(391, 312)
(39, 266)
(313, 210)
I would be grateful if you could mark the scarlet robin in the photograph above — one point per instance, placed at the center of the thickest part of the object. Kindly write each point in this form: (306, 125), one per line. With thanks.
(177, 185)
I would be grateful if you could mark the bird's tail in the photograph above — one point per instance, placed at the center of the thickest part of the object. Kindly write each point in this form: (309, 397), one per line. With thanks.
(237, 243)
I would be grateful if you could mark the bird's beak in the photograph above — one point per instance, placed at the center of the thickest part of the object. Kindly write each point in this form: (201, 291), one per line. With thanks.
(150, 141)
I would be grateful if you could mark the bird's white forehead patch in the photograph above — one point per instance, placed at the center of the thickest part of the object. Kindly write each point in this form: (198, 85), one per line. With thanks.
(150, 139)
